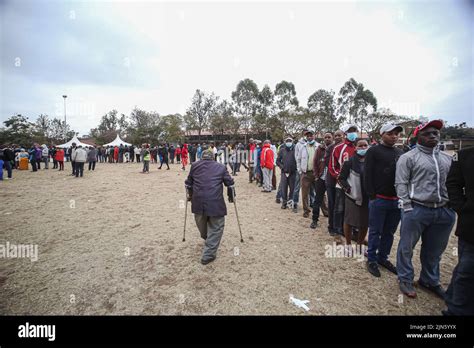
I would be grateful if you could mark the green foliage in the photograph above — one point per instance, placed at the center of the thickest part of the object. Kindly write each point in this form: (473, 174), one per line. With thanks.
(198, 114)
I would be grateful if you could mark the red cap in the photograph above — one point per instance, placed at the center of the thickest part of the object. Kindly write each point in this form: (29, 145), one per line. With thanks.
(438, 124)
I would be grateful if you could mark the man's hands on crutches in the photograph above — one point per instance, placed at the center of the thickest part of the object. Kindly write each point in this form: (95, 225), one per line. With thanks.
(231, 193)
(189, 193)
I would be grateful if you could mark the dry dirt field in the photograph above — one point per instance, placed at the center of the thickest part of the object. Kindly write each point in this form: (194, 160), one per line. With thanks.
(111, 244)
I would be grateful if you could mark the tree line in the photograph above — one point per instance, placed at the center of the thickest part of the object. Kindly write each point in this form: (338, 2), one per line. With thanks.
(250, 111)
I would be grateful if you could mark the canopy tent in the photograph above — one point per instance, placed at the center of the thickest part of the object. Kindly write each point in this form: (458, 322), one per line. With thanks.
(73, 140)
(118, 142)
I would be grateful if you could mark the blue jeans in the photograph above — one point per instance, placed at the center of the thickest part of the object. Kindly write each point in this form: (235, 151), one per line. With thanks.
(296, 192)
(8, 167)
(434, 226)
(1, 169)
(279, 193)
(460, 293)
(384, 216)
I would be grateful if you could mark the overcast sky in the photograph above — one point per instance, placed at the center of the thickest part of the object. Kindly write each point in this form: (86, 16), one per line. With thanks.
(417, 57)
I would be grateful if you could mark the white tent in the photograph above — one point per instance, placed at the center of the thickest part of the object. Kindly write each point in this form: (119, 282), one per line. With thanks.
(118, 142)
(73, 140)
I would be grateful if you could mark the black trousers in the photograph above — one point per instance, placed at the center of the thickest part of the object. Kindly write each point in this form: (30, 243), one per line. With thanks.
(73, 164)
(164, 161)
(318, 201)
(339, 205)
(92, 165)
(79, 169)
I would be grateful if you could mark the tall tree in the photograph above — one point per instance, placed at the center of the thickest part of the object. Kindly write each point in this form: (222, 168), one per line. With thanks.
(246, 101)
(197, 115)
(286, 104)
(355, 102)
(42, 128)
(172, 128)
(144, 127)
(223, 120)
(322, 111)
(18, 130)
(266, 109)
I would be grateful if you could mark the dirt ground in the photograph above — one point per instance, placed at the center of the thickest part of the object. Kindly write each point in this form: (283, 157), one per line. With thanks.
(111, 243)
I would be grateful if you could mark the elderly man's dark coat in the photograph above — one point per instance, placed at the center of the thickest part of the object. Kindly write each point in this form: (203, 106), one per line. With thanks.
(206, 178)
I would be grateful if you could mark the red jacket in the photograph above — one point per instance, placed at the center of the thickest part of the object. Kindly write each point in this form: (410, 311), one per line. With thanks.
(59, 156)
(267, 157)
(340, 154)
(184, 151)
(178, 151)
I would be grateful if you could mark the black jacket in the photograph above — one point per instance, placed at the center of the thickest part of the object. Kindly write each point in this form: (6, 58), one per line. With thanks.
(380, 166)
(286, 159)
(460, 185)
(205, 179)
(8, 154)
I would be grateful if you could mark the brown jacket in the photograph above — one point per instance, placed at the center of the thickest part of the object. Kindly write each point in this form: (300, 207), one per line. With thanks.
(319, 161)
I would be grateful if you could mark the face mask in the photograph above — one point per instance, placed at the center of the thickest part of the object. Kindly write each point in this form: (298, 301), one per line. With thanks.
(310, 142)
(351, 136)
(289, 144)
(361, 152)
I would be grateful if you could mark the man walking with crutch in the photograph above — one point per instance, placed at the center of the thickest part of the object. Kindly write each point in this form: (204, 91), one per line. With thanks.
(204, 190)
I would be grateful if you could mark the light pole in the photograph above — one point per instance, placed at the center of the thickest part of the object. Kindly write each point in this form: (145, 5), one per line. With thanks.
(65, 124)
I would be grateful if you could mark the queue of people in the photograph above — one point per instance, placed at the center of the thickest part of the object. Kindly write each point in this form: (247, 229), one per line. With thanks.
(373, 188)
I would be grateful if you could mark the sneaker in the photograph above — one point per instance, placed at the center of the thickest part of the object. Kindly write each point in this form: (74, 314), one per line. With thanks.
(388, 265)
(295, 209)
(435, 289)
(205, 262)
(283, 206)
(313, 225)
(408, 289)
(278, 201)
(373, 269)
(306, 214)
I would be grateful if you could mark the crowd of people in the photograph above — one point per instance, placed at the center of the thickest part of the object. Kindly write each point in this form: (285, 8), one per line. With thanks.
(365, 188)
(371, 189)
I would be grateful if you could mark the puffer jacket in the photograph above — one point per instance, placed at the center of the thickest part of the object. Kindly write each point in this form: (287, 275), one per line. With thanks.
(267, 157)
(420, 177)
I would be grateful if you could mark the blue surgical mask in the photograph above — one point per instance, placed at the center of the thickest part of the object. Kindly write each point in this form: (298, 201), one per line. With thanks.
(361, 152)
(352, 136)
(311, 142)
(289, 144)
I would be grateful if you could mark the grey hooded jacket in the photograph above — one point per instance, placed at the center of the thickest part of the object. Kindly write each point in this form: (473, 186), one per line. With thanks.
(420, 177)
